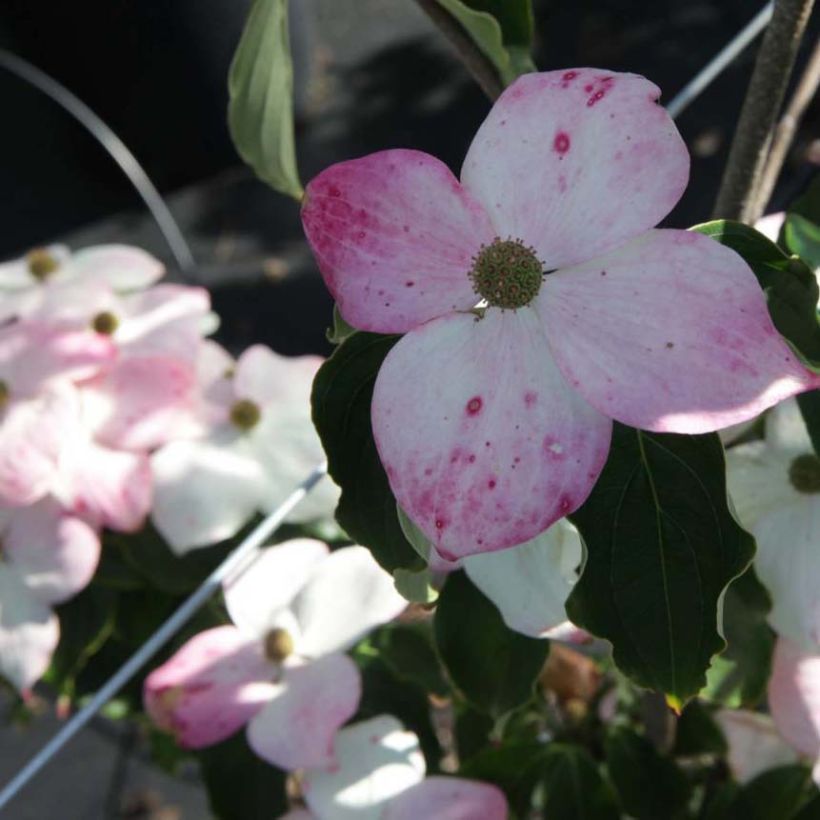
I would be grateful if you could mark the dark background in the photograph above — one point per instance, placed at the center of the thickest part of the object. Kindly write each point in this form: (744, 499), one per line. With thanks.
(371, 74)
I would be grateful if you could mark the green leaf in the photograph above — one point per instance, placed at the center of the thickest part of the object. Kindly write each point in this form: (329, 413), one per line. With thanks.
(574, 788)
(739, 676)
(778, 794)
(86, 623)
(342, 392)
(661, 548)
(697, 733)
(241, 786)
(515, 768)
(802, 237)
(340, 329)
(409, 653)
(809, 404)
(260, 85)
(514, 16)
(486, 31)
(650, 786)
(494, 667)
(415, 586)
(790, 286)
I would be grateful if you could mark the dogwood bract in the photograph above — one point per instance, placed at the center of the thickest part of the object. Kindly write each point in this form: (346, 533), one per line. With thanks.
(254, 444)
(281, 667)
(775, 487)
(491, 428)
(379, 775)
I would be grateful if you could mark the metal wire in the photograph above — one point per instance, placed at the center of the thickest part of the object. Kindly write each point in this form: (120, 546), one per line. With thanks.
(705, 76)
(116, 148)
(240, 560)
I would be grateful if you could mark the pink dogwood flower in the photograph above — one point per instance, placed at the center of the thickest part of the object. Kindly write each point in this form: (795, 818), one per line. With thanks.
(48, 556)
(24, 282)
(755, 745)
(254, 444)
(379, 775)
(494, 423)
(280, 669)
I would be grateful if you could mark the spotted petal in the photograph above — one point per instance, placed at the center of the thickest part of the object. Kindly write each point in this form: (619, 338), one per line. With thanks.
(394, 235)
(209, 688)
(484, 443)
(576, 162)
(297, 727)
(669, 333)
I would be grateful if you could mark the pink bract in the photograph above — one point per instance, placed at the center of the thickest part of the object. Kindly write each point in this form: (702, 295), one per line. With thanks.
(492, 428)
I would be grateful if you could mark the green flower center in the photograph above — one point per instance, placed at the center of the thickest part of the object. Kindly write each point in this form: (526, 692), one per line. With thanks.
(5, 394)
(41, 264)
(278, 645)
(245, 414)
(507, 274)
(105, 323)
(804, 473)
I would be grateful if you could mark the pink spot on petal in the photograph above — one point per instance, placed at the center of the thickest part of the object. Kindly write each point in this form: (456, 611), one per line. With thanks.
(474, 405)
(530, 398)
(561, 142)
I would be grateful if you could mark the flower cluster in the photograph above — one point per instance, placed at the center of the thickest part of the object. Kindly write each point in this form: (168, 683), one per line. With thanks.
(115, 407)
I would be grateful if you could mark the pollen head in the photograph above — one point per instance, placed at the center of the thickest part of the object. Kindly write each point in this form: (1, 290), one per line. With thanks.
(245, 414)
(278, 645)
(804, 474)
(105, 323)
(41, 264)
(507, 273)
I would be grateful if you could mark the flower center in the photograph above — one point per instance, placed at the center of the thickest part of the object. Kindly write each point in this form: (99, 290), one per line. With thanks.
(278, 645)
(507, 273)
(5, 394)
(245, 414)
(804, 473)
(41, 264)
(105, 323)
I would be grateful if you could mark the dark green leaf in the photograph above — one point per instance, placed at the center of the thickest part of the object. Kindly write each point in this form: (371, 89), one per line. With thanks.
(802, 237)
(86, 623)
(241, 786)
(697, 733)
(515, 768)
(342, 392)
(661, 548)
(472, 731)
(494, 667)
(650, 786)
(409, 653)
(510, 56)
(809, 404)
(260, 83)
(777, 794)
(790, 286)
(574, 788)
(740, 674)
(811, 810)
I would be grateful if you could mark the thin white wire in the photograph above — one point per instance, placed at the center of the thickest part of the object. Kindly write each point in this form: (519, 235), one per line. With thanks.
(113, 145)
(238, 561)
(716, 66)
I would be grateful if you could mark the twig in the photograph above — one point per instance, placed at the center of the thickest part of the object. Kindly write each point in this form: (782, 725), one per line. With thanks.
(764, 97)
(475, 61)
(787, 128)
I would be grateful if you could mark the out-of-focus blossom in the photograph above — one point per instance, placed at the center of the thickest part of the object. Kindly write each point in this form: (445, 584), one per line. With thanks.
(48, 555)
(24, 282)
(770, 225)
(280, 669)
(493, 427)
(775, 487)
(754, 743)
(379, 775)
(257, 443)
(794, 699)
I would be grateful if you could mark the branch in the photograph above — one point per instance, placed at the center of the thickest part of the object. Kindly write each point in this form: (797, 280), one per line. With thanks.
(475, 61)
(747, 157)
(787, 128)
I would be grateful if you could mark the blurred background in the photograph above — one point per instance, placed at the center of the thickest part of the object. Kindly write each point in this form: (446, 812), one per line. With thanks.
(370, 74)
